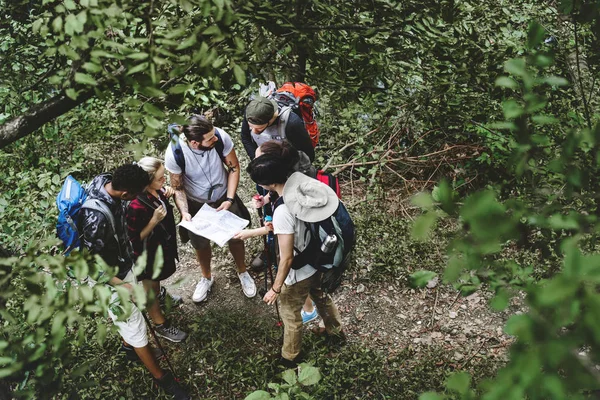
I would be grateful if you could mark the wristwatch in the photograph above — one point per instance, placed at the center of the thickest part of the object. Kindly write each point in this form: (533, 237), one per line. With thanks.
(230, 199)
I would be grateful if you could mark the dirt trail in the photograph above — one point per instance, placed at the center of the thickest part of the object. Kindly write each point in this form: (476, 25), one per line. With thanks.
(386, 316)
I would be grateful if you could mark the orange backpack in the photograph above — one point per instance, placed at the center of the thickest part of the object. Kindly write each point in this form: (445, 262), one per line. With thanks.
(301, 98)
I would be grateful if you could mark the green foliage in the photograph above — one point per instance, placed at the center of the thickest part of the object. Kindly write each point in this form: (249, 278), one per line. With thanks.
(292, 388)
(545, 361)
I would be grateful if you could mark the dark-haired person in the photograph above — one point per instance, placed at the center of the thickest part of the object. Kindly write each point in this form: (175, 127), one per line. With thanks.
(264, 121)
(113, 191)
(151, 223)
(294, 162)
(304, 199)
(212, 180)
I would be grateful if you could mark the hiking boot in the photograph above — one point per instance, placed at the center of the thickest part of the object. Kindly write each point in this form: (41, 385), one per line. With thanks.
(202, 289)
(307, 317)
(170, 332)
(164, 296)
(172, 387)
(248, 285)
(287, 364)
(290, 364)
(132, 356)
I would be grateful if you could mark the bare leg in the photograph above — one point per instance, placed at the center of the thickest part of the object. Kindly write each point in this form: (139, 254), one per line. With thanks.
(204, 256)
(308, 305)
(154, 308)
(238, 251)
(147, 358)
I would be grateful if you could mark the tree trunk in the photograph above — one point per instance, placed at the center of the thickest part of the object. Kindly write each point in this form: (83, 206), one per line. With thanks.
(40, 114)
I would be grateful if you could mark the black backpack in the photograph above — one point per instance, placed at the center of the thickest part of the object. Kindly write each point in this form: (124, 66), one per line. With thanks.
(178, 152)
(333, 262)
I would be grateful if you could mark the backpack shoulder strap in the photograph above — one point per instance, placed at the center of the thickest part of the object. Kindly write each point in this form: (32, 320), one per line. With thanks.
(176, 146)
(284, 116)
(220, 146)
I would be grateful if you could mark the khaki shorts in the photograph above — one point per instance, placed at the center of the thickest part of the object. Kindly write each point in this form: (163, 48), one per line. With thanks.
(237, 207)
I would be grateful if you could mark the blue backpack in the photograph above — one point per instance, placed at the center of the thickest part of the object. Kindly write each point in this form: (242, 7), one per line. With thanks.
(173, 130)
(71, 199)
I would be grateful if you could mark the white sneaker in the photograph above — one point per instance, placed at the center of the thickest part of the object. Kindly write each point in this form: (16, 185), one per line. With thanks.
(202, 289)
(248, 285)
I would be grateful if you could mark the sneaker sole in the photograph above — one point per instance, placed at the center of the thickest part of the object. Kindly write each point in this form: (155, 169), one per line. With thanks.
(311, 319)
(245, 294)
(169, 338)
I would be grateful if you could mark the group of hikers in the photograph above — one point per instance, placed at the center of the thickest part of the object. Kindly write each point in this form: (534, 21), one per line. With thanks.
(204, 169)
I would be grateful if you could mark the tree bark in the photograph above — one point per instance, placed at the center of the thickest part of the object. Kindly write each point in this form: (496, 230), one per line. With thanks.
(45, 112)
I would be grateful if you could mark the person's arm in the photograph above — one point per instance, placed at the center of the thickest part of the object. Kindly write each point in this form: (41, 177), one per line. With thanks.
(298, 136)
(233, 179)
(286, 254)
(250, 233)
(180, 197)
(247, 141)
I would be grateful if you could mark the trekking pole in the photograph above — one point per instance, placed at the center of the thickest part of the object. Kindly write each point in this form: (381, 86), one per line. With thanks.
(270, 240)
(264, 252)
(160, 345)
(267, 253)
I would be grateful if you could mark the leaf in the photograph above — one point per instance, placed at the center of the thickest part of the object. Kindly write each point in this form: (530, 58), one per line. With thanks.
(423, 225)
(57, 24)
(459, 382)
(453, 270)
(85, 79)
(535, 34)
(515, 66)
(512, 109)
(138, 56)
(289, 376)
(308, 375)
(189, 42)
(180, 88)
(71, 93)
(212, 30)
(92, 67)
(500, 301)
(240, 75)
(153, 110)
(138, 68)
(542, 119)
(556, 291)
(518, 325)
(506, 82)
(258, 395)
(421, 278)
(431, 396)
(555, 80)
(423, 200)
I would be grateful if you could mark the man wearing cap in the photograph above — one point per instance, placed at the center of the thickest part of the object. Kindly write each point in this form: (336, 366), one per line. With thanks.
(302, 199)
(264, 121)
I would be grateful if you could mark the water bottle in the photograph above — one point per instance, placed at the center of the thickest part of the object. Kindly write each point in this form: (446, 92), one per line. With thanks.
(329, 244)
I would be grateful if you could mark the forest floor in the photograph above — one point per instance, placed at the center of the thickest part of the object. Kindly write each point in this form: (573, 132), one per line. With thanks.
(386, 316)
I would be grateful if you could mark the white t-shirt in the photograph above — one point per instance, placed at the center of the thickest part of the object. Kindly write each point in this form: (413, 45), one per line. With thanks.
(285, 223)
(203, 169)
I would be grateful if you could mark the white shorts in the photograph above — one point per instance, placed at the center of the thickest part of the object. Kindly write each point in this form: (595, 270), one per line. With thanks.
(133, 330)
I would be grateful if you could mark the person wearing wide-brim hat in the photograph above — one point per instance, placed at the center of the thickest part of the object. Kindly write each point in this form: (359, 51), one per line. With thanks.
(303, 200)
